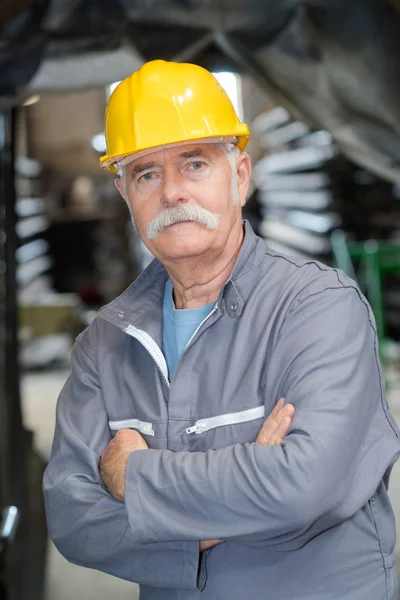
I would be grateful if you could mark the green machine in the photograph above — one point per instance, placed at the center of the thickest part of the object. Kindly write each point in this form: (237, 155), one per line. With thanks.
(368, 262)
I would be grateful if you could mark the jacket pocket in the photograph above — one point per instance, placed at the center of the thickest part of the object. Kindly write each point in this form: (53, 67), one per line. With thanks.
(243, 416)
(142, 426)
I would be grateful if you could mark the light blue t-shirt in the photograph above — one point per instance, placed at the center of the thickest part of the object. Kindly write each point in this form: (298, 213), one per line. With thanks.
(178, 327)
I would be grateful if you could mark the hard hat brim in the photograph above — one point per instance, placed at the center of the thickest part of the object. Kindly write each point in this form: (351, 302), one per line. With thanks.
(110, 163)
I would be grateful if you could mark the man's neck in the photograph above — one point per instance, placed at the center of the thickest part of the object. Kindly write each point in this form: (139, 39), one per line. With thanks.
(198, 281)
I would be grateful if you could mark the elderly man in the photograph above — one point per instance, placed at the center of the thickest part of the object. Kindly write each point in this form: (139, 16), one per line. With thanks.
(163, 469)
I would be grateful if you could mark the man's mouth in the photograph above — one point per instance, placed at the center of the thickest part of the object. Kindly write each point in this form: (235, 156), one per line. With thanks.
(183, 221)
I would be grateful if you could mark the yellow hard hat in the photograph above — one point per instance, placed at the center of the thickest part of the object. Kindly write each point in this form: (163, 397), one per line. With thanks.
(167, 103)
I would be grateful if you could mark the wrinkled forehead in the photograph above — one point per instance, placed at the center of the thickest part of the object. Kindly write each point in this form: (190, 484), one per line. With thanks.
(184, 151)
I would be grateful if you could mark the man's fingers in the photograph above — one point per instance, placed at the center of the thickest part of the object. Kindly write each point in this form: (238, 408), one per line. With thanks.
(284, 421)
(277, 407)
(282, 429)
(289, 410)
(272, 422)
(276, 425)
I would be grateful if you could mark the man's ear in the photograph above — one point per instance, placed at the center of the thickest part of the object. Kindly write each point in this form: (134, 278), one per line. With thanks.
(243, 169)
(120, 187)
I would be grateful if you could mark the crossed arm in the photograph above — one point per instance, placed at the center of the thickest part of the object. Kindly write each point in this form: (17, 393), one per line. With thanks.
(115, 457)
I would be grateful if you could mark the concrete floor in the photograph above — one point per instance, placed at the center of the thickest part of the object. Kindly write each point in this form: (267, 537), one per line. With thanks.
(65, 581)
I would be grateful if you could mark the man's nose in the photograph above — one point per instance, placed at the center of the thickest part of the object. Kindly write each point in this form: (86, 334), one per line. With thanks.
(173, 189)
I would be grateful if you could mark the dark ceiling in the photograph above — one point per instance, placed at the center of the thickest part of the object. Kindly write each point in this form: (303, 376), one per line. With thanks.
(333, 63)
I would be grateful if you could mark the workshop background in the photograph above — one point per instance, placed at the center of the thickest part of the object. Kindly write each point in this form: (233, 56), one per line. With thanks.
(319, 84)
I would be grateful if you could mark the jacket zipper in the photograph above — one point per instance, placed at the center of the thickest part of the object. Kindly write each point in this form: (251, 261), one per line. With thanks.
(142, 426)
(203, 425)
(201, 325)
(149, 344)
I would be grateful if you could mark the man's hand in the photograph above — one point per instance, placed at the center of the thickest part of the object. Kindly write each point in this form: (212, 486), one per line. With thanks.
(114, 458)
(276, 425)
(272, 433)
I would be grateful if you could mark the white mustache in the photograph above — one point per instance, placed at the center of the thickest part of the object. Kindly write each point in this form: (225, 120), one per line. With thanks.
(181, 212)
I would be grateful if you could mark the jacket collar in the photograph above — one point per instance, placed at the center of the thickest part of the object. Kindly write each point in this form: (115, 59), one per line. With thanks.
(142, 299)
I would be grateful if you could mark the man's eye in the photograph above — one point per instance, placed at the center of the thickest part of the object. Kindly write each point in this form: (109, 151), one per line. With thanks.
(197, 165)
(146, 177)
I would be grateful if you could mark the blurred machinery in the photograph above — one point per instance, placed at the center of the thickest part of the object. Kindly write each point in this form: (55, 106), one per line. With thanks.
(315, 203)
(22, 525)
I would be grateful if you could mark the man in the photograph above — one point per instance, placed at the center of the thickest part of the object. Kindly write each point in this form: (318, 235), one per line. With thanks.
(194, 497)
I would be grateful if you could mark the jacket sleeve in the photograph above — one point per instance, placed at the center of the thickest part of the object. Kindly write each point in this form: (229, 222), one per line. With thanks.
(87, 525)
(329, 465)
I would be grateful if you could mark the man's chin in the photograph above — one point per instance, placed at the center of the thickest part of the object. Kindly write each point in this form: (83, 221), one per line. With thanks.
(177, 245)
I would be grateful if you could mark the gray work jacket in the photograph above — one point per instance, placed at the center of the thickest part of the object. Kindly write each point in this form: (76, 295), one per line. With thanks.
(309, 519)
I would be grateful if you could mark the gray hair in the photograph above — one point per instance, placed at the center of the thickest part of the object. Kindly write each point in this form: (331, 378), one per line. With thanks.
(232, 152)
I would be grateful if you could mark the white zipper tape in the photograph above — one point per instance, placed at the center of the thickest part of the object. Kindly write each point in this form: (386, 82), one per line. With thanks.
(142, 426)
(147, 341)
(243, 416)
(201, 325)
